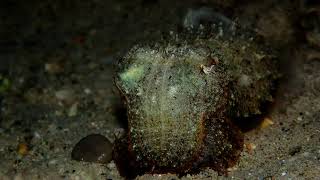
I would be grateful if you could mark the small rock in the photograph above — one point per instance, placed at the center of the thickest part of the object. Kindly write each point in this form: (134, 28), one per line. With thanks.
(73, 111)
(65, 95)
(53, 68)
(250, 147)
(266, 123)
(93, 148)
(87, 91)
(299, 118)
(23, 149)
(52, 162)
(36, 135)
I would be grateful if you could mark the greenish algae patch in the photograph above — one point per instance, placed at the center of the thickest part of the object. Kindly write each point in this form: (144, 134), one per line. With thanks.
(131, 76)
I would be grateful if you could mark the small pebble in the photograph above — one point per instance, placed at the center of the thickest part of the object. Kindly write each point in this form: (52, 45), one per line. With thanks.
(73, 111)
(266, 123)
(52, 162)
(36, 135)
(53, 68)
(93, 148)
(87, 91)
(65, 95)
(23, 149)
(250, 147)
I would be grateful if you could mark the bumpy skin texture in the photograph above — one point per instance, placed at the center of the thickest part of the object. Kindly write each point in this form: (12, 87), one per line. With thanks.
(181, 93)
(167, 100)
